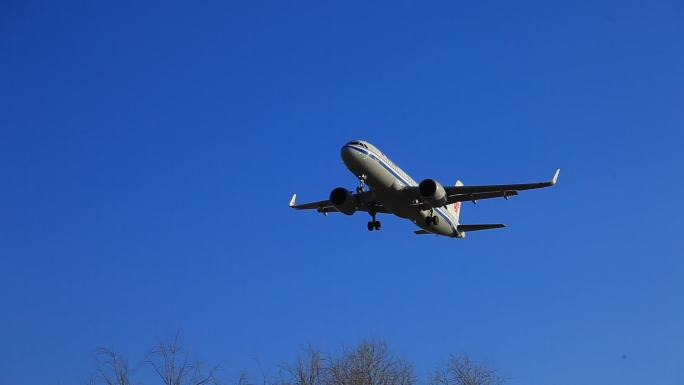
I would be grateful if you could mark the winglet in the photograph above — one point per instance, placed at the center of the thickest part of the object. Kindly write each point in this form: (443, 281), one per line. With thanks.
(293, 200)
(555, 177)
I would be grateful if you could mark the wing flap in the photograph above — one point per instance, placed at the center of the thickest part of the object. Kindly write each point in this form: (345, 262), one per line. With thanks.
(478, 196)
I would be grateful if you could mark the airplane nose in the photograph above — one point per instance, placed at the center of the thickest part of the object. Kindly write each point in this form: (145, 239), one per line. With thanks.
(347, 154)
(350, 157)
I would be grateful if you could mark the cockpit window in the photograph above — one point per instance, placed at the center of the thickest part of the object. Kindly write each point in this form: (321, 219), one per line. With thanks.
(357, 143)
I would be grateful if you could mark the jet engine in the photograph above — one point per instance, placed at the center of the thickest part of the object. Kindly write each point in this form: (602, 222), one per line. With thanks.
(343, 200)
(432, 193)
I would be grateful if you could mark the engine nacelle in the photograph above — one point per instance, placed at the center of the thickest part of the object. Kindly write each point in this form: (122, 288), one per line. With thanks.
(432, 193)
(343, 200)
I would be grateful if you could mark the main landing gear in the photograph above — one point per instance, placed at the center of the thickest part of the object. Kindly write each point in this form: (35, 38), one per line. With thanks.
(432, 219)
(373, 224)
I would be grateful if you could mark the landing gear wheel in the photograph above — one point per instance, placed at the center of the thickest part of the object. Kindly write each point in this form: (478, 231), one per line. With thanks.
(371, 226)
(432, 220)
(377, 225)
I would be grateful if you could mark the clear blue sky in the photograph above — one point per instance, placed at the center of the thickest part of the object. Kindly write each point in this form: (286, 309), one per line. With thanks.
(148, 152)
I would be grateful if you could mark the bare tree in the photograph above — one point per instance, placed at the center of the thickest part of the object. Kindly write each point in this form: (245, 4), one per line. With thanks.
(112, 368)
(172, 364)
(461, 370)
(367, 363)
(370, 363)
(310, 368)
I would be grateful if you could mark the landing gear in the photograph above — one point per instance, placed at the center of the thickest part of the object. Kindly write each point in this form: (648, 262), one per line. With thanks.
(432, 219)
(374, 225)
(362, 181)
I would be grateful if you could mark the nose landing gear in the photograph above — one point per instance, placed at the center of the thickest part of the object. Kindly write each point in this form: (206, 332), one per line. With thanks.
(362, 181)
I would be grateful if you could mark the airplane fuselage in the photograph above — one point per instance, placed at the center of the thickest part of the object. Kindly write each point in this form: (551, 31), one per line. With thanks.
(388, 182)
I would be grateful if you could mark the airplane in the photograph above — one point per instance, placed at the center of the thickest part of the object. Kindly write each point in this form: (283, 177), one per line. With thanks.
(430, 205)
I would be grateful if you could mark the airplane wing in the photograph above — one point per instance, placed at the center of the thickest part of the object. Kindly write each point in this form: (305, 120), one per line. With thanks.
(326, 206)
(474, 193)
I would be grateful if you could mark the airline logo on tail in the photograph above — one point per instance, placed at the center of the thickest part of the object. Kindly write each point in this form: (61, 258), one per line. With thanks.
(457, 205)
(457, 208)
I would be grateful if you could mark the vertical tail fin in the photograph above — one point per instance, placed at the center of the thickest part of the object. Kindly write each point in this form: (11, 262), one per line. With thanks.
(456, 207)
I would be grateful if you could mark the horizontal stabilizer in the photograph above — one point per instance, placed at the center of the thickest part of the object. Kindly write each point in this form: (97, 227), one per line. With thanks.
(421, 232)
(487, 226)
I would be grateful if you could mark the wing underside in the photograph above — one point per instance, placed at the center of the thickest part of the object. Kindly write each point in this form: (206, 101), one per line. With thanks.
(466, 193)
(325, 206)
